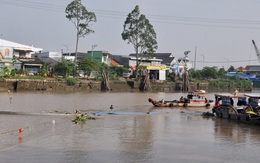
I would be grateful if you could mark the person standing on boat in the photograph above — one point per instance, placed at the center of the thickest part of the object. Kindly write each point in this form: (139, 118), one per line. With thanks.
(236, 92)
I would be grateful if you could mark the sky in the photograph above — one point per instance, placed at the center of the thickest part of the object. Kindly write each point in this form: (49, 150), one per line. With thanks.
(217, 32)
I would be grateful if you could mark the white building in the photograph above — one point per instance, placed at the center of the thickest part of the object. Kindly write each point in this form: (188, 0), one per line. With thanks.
(8, 49)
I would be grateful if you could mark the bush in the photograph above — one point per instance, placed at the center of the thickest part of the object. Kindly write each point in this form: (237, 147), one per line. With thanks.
(71, 81)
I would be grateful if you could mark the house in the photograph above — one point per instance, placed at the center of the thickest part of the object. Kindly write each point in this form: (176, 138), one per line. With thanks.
(242, 69)
(49, 58)
(8, 49)
(253, 69)
(31, 65)
(153, 65)
(12, 54)
(98, 56)
(120, 59)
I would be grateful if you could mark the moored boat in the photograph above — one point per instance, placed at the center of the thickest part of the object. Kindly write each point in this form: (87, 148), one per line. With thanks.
(194, 99)
(243, 108)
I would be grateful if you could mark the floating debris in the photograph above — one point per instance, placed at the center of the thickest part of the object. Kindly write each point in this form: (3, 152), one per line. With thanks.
(81, 119)
(207, 114)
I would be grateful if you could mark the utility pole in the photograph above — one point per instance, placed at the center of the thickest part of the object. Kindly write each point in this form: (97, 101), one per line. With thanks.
(195, 60)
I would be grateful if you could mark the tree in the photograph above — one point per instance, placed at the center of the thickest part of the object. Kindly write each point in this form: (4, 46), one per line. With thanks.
(81, 18)
(118, 71)
(140, 33)
(231, 69)
(63, 68)
(87, 65)
(195, 74)
(221, 73)
(43, 70)
(209, 72)
(104, 71)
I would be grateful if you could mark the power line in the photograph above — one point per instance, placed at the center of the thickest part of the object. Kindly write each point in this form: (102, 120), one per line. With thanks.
(209, 22)
(235, 61)
(33, 5)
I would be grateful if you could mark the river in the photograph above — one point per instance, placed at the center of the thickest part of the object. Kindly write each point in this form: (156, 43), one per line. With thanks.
(168, 135)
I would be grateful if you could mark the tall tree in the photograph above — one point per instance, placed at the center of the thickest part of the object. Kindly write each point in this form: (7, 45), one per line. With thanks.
(81, 18)
(140, 33)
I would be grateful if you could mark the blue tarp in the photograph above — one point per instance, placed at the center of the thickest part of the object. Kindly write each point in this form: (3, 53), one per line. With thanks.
(121, 113)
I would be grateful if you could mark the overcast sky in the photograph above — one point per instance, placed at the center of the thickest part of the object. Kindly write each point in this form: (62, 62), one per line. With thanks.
(222, 30)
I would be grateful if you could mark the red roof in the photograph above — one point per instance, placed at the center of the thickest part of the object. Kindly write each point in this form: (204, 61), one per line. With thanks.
(242, 68)
(114, 63)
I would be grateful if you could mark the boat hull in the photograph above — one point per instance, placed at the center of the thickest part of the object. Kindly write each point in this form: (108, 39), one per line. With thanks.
(228, 112)
(181, 104)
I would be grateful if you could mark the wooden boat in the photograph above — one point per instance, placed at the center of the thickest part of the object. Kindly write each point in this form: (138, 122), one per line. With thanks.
(194, 99)
(242, 108)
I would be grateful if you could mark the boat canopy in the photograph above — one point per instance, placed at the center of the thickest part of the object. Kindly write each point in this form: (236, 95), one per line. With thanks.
(228, 95)
(253, 95)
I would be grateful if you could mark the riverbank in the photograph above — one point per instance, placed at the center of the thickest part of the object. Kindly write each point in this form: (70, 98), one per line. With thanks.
(121, 85)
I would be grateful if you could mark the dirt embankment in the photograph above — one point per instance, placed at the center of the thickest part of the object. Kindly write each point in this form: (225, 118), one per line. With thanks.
(122, 85)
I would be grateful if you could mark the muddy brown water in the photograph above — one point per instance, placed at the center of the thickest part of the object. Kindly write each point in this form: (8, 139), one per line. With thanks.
(168, 135)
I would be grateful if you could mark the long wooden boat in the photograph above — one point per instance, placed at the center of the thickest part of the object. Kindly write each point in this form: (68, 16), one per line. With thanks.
(194, 99)
(243, 108)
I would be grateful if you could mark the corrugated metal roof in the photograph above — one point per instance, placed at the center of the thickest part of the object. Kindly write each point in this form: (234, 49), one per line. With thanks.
(253, 68)
(17, 46)
(165, 57)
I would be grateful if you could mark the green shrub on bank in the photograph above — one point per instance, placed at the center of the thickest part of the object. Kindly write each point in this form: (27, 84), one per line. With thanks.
(71, 81)
(230, 84)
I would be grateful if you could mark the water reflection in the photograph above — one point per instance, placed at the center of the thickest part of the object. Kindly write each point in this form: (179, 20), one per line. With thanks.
(170, 135)
(236, 133)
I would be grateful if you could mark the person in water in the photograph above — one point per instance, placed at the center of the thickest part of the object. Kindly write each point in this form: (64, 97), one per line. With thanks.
(181, 99)
(111, 108)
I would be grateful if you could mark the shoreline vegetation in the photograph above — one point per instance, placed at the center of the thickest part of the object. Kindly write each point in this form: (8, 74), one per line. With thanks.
(119, 85)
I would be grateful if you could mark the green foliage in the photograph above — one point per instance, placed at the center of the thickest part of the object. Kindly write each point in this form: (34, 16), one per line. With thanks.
(80, 17)
(87, 65)
(231, 69)
(119, 70)
(140, 33)
(172, 76)
(13, 72)
(230, 84)
(221, 73)
(43, 70)
(82, 119)
(209, 73)
(195, 74)
(71, 81)
(220, 84)
(63, 68)
(7, 73)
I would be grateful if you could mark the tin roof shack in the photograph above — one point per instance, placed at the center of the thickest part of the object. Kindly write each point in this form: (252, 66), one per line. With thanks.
(98, 56)
(253, 69)
(49, 58)
(151, 65)
(31, 65)
(10, 64)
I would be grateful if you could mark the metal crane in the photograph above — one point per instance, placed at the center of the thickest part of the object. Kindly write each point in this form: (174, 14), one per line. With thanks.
(257, 51)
